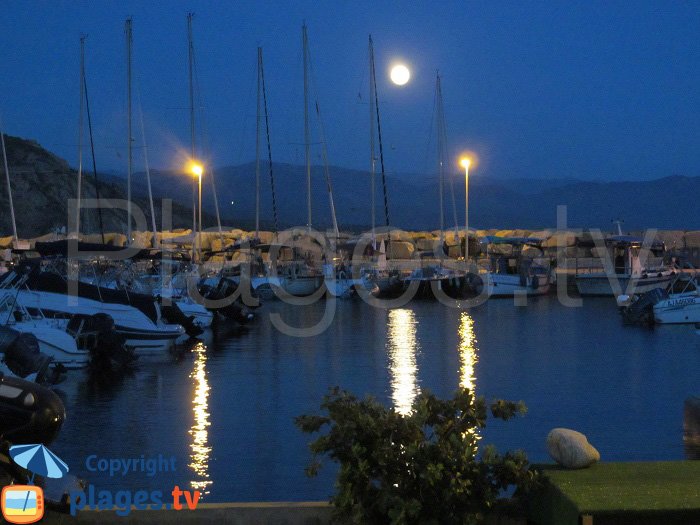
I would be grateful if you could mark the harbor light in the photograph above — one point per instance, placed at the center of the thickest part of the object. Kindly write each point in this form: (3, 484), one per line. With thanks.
(196, 169)
(465, 163)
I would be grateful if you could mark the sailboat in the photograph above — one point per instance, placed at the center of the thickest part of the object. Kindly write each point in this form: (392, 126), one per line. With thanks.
(436, 276)
(386, 281)
(299, 277)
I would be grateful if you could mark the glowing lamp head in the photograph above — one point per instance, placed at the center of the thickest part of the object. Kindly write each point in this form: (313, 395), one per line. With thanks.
(196, 169)
(465, 163)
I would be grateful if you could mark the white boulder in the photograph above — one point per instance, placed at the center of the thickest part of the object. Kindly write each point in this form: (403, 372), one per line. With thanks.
(571, 449)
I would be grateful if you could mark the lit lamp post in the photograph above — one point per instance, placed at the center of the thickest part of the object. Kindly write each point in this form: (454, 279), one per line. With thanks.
(197, 171)
(465, 162)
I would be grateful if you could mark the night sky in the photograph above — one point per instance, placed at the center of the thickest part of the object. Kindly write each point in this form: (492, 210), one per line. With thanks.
(590, 90)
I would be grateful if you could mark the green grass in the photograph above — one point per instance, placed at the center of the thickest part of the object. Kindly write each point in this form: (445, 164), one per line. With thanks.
(617, 489)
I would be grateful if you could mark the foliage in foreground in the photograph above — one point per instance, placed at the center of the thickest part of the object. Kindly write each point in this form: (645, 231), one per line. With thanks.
(417, 468)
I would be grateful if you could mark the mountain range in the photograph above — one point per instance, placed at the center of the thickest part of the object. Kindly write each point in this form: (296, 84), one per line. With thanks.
(42, 183)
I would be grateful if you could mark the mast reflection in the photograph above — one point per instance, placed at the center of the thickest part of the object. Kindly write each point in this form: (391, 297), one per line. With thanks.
(402, 348)
(200, 449)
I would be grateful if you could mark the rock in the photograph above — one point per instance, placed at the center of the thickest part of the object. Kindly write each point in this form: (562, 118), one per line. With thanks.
(571, 449)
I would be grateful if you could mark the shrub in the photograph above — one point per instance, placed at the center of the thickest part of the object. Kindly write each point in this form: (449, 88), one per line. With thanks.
(417, 468)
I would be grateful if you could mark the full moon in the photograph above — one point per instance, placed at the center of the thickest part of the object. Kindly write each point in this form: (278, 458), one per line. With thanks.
(400, 74)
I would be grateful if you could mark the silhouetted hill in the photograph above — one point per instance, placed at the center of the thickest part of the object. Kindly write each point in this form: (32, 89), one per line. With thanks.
(42, 184)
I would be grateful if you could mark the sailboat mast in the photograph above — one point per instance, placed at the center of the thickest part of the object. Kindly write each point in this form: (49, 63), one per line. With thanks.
(381, 147)
(9, 187)
(441, 175)
(307, 133)
(190, 49)
(267, 133)
(127, 30)
(257, 151)
(80, 136)
(372, 158)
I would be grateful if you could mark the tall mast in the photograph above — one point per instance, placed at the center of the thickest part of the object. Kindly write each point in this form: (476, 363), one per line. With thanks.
(379, 136)
(441, 174)
(127, 31)
(9, 188)
(190, 47)
(307, 134)
(269, 147)
(372, 158)
(257, 151)
(80, 135)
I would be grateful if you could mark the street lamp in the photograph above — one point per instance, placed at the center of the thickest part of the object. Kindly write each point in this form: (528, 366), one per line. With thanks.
(197, 171)
(465, 162)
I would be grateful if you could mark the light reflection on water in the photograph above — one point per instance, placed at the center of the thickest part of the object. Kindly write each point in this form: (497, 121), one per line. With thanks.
(402, 348)
(467, 352)
(200, 448)
(251, 385)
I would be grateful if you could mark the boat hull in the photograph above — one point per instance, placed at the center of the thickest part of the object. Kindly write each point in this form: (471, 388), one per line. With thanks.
(599, 284)
(500, 285)
(55, 343)
(678, 310)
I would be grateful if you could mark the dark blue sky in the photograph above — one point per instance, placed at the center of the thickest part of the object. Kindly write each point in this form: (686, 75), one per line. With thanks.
(594, 90)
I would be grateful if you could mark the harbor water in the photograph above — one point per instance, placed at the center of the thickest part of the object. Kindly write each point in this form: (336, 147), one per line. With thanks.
(224, 408)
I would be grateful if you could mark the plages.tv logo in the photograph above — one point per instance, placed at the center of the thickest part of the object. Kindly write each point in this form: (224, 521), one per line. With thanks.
(25, 503)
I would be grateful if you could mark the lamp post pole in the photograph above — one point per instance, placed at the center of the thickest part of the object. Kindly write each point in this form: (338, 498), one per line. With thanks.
(199, 238)
(465, 164)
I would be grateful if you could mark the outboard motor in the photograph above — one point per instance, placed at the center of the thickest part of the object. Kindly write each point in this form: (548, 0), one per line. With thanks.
(174, 315)
(24, 359)
(236, 311)
(107, 351)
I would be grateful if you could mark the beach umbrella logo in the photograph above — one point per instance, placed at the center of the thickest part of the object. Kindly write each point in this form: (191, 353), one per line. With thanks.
(38, 459)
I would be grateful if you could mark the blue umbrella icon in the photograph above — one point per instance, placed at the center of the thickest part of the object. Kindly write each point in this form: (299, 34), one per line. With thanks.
(38, 460)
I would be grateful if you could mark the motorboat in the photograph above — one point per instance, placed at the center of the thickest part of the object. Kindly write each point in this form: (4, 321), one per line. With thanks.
(516, 267)
(144, 333)
(679, 303)
(635, 269)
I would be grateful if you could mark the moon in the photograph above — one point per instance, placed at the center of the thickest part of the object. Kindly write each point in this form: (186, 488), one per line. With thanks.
(400, 74)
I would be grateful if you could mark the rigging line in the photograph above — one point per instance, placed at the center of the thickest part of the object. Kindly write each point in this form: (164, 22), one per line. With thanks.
(129, 42)
(324, 150)
(206, 146)
(9, 187)
(145, 160)
(80, 136)
(269, 147)
(94, 162)
(450, 177)
(381, 147)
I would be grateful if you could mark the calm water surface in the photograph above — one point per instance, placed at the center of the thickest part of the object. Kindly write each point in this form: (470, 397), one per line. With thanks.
(225, 409)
